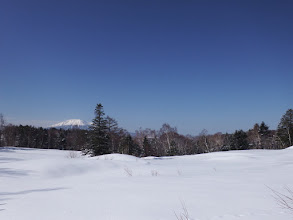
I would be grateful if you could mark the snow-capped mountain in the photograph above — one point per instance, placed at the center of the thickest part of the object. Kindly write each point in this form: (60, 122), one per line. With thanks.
(71, 124)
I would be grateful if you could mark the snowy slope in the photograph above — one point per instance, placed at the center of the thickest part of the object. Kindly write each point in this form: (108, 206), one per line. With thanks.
(72, 123)
(49, 184)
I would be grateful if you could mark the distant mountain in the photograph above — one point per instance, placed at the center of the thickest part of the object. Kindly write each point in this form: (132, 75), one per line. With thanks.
(71, 124)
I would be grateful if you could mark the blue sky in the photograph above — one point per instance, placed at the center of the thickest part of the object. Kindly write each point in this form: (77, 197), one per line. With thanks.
(218, 65)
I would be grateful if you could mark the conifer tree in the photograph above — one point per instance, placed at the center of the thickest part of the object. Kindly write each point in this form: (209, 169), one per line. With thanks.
(285, 129)
(173, 150)
(239, 141)
(2, 123)
(147, 147)
(264, 134)
(61, 140)
(113, 132)
(263, 129)
(98, 134)
(130, 147)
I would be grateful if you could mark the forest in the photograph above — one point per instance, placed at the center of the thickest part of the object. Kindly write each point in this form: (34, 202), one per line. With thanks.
(105, 136)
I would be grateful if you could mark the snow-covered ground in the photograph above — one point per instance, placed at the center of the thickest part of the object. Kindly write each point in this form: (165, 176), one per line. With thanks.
(48, 184)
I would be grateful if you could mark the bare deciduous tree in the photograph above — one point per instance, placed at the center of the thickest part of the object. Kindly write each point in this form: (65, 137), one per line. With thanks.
(167, 136)
(203, 142)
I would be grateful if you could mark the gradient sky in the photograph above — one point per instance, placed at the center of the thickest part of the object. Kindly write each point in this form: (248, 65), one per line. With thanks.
(218, 65)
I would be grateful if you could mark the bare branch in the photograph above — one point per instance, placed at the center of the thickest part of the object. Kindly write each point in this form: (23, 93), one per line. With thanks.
(284, 200)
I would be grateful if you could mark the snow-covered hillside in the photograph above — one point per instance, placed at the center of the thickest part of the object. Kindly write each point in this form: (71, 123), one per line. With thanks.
(72, 123)
(51, 184)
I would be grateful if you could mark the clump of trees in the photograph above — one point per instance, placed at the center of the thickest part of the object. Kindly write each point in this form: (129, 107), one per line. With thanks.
(105, 136)
(44, 138)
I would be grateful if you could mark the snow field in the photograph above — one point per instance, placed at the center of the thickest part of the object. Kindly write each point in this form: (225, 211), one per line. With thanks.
(49, 184)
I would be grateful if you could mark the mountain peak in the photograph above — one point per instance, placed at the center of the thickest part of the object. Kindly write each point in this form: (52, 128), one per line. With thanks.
(72, 123)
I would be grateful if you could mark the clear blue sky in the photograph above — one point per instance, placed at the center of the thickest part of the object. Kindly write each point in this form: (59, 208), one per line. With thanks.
(218, 65)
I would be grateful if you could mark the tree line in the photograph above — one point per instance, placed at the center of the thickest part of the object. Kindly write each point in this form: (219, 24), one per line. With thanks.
(105, 136)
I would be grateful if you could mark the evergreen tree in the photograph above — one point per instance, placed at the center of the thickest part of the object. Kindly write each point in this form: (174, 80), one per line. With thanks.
(239, 141)
(98, 134)
(258, 136)
(265, 138)
(2, 123)
(113, 132)
(61, 140)
(127, 145)
(173, 151)
(147, 147)
(285, 129)
(263, 129)
(227, 143)
(130, 147)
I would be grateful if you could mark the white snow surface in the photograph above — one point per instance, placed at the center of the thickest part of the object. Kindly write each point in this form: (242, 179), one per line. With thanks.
(72, 123)
(51, 185)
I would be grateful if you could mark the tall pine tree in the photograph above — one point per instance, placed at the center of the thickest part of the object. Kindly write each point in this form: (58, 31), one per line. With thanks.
(98, 134)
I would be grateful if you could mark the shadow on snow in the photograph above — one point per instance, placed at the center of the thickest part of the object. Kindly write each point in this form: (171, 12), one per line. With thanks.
(7, 172)
(31, 191)
(23, 193)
